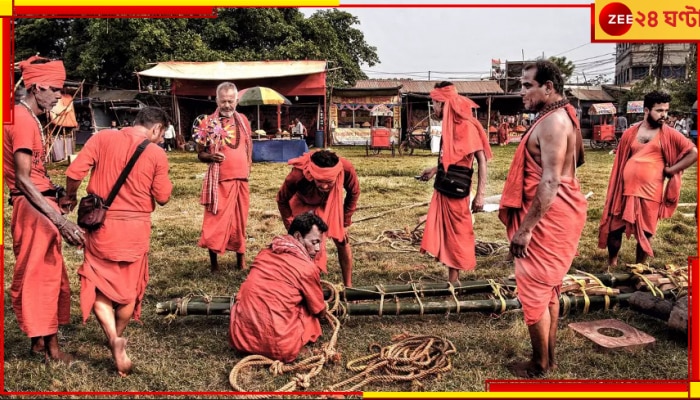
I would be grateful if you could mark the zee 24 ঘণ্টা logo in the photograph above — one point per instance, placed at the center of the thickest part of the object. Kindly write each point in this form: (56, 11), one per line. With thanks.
(644, 20)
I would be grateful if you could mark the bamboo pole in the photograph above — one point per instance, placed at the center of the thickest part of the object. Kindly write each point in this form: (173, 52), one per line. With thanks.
(220, 305)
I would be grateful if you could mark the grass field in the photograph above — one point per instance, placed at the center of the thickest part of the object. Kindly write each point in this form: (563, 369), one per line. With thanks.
(192, 354)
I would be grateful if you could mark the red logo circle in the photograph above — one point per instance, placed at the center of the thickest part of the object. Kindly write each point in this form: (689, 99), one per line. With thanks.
(615, 19)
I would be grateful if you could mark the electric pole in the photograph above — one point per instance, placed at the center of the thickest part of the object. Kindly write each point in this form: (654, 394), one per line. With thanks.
(659, 64)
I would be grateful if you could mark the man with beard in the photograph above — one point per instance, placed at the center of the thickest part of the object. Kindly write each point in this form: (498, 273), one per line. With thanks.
(543, 209)
(224, 141)
(648, 154)
(40, 289)
(449, 233)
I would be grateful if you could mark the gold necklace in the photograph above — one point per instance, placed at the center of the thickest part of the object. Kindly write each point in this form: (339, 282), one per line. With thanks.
(41, 128)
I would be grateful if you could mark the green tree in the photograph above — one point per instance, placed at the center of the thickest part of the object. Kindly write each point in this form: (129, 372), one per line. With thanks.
(47, 37)
(108, 52)
(566, 67)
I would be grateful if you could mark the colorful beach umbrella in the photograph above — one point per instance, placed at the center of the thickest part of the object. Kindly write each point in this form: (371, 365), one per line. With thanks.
(262, 96)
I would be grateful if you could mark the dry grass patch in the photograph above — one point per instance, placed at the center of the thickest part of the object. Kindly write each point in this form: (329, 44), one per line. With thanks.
(192, 354)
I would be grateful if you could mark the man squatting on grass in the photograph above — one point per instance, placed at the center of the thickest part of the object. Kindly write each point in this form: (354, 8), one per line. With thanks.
(40, 290)
(224, 141)
(543, 209)
(316, 184)
(649, 153)
(278, 306)
(114, 274)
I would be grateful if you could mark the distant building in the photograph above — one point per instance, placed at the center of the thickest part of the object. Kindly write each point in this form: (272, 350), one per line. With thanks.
(635, 61)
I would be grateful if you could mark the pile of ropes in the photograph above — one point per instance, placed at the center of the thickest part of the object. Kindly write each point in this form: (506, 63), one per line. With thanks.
(403, 240)
(410, 358)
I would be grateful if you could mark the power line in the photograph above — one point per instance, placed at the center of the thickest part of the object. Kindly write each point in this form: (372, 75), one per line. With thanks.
(575, 48)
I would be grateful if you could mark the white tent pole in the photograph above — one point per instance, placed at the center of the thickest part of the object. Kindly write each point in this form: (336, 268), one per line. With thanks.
(259, 117)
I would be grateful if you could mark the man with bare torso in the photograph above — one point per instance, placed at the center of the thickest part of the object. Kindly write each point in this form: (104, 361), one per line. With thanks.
(543, 209)
(649, 153)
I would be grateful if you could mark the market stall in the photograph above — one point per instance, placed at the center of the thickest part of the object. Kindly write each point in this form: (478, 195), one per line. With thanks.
(635, 111)
(603, 130)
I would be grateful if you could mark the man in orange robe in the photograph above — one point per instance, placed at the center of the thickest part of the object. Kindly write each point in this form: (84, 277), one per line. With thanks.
(314, 184)
(114, 274)
(224, 141)
(277, 309)
(40, 290)
(543, 209)
(648, 153)
(503, 133)
(449, 233)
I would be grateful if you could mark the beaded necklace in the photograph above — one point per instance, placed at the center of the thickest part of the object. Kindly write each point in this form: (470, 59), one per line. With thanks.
(550, 107)
(41, 128)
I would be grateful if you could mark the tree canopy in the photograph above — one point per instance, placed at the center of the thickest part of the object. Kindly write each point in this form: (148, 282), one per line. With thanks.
(108, 52)
(565, 66)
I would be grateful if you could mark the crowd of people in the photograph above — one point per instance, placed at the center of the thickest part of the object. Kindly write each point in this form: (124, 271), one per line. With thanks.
(277, 309)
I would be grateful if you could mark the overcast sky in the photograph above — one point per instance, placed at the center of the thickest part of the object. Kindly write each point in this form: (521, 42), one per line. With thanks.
(459, 43)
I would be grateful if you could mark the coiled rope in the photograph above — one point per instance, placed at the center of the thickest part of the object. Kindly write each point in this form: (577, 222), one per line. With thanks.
(411, 358)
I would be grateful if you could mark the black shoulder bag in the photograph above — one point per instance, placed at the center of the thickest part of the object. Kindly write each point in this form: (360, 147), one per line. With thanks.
(456, 182)
(92, 209)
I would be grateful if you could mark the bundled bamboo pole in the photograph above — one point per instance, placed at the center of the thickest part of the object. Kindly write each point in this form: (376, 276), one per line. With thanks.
(220, 305)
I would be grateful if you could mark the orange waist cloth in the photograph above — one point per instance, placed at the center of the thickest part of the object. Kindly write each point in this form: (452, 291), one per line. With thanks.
(554, 240)
(449, 233)
(226, 230)
(116, 261)
(40, 289)
(274, 314)
(643, 174)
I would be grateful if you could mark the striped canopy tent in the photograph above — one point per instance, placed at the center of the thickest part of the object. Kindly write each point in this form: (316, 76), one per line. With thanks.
(635, 107)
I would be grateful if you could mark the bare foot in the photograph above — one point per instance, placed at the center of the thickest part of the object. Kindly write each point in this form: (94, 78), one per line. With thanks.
(526, 369)
(37, 346)
(59, 356)
(121, 359)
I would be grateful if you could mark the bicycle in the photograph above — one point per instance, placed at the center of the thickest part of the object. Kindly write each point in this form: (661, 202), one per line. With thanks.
(415, 141)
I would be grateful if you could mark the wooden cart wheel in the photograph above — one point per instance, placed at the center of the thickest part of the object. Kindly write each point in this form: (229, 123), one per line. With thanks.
(405, 148)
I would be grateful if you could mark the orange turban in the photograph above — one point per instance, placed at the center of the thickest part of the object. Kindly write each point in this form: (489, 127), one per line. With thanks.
(332, 214)
(51, 73)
